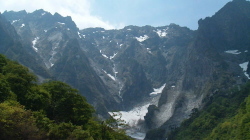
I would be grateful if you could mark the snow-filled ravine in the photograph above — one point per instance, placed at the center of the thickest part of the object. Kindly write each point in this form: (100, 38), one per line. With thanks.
(233, 52)
(134, 117)
(34, 44)
(244, 67)
(142, 38)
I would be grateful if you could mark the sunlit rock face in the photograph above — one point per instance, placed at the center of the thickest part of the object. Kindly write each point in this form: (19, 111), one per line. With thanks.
(216, 60)
(154, 76)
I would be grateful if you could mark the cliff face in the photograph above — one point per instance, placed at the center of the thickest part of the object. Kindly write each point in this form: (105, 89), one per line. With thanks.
(52, 42)
(123, 69)
(11, 45)
(216, 60)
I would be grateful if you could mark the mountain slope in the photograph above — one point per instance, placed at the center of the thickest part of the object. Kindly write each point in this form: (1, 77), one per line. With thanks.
(54, 40)
(170, 69)
(211, 66)
(73, 67)
(52, 110)
(13, 48)
(225, 116)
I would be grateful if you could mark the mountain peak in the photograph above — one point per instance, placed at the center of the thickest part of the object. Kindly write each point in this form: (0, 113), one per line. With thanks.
(238, 0)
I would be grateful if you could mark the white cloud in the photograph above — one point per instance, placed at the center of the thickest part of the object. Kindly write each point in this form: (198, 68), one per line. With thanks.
(79, 10)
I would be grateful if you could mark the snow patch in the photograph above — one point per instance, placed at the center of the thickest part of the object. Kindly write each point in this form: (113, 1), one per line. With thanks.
(246, 51)
(45, 31)
(111, 57)
(158, 90)
(161, 33)
(43, 14)
(79, 34)
(109, 75)
(103, 37)
(129, 29)
(22, 25)
(244, 67)
(61, 23)
(114, 70)
(68, 29)
(133, 116)
(51, 59)
(142, 38)
(14, 21)
(233, 52)
(34, 43)
(149, 50)
(104, 54)
(112, 77)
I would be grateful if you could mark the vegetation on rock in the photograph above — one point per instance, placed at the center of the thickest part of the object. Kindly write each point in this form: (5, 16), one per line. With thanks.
(226, 116)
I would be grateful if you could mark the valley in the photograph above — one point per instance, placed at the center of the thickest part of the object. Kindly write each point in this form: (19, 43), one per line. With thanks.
(153, 76)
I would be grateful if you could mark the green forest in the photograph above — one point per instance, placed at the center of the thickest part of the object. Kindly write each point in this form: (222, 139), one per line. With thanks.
(226, 116)
(52, 110)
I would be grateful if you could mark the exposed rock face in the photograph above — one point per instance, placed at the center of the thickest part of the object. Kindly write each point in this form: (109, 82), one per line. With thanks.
(136, 59)
(213, 62)
(11, 46)
(54, 40)
(118, 69)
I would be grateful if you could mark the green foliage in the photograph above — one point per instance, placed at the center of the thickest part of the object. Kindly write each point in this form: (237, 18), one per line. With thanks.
(65, 101)
(4, 89)
(37, 99)
(3, 62)
(67, 131)
(225, 117)
(17, 123)
(236, 127)
(52, 110)
(19, 79)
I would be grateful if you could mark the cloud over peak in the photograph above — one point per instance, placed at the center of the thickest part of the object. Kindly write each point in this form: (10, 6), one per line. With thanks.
(79, 10)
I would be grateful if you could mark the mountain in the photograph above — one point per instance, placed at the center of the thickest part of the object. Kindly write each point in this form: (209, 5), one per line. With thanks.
(12, 46)
(48, 111)
(225, 116)
(53, 39)
(214, 63)
(158, 75)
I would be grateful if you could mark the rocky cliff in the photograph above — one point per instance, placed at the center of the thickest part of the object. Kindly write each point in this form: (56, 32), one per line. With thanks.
(216, 60)
(170, 69)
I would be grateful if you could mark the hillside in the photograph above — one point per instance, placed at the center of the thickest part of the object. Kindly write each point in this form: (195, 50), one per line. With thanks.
(226, 116)
(160, 75)
(52, 110)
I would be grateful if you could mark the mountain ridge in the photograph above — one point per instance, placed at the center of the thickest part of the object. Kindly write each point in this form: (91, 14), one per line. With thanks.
(118, 69)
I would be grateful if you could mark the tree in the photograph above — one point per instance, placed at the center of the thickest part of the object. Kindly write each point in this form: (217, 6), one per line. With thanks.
(20, 80)
(17, 123)
(66, 104)
(4, 89)
(37, 99)
(3, 62)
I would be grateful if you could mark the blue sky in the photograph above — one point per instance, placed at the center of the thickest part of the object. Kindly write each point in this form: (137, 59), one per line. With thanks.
(157, 12)
(112, 14)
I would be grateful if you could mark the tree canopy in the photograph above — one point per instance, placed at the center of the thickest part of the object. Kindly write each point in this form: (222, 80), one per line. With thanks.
(51, 110)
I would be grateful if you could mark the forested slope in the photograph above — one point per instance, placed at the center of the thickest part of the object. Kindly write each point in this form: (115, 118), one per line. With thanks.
(226, 116)
(52, 110)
